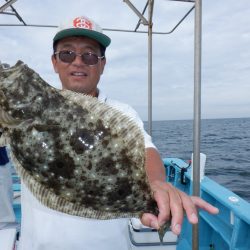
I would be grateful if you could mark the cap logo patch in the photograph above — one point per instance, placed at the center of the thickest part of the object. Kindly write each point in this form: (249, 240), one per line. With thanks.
(81, 22)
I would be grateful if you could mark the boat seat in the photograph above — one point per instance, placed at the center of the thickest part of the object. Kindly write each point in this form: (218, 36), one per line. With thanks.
(141, 235)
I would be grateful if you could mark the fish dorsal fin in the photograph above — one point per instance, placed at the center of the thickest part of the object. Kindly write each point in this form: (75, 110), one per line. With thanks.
(121, 124)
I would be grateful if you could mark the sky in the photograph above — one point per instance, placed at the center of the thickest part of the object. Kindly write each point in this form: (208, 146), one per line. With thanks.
(225, 81)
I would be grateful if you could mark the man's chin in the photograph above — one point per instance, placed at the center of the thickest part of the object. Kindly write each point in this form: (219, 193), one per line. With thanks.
(76, 88)
(81, 89)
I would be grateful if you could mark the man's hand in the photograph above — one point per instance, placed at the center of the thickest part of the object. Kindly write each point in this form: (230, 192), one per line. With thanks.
(172, 204)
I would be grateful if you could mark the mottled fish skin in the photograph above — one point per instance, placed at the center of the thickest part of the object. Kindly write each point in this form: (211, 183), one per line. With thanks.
(76, 155)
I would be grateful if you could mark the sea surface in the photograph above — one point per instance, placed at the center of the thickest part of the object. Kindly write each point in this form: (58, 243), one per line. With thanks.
(226, 142)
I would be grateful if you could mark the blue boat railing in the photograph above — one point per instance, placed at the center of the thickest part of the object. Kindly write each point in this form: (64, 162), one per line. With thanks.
(229, 230)
(16, 186)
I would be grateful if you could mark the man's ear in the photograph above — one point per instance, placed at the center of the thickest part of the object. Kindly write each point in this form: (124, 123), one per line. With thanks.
(54, 62)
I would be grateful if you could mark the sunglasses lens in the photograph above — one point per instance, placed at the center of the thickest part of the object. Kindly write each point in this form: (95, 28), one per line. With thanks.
(89, 58)
(67, 56)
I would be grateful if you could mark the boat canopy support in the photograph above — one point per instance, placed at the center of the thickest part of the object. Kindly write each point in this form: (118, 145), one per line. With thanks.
(6, 5)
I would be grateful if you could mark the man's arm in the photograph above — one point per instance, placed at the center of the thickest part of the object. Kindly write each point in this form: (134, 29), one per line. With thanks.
(170, 200)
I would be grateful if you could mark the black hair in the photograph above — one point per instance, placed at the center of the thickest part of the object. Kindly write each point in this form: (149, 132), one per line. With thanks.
(103, 49)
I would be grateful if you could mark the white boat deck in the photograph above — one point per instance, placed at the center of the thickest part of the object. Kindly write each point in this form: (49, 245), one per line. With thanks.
(7, 239)
(142, 237)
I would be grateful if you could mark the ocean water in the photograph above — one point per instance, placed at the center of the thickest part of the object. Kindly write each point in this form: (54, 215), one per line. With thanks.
(226, 142)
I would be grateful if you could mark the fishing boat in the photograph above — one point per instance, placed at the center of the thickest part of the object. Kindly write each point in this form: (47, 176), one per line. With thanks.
(230, 229)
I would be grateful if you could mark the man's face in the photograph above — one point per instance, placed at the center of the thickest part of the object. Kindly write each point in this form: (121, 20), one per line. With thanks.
(77, 76)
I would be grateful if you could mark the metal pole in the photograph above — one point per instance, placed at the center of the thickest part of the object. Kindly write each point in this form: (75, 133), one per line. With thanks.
(143, 19)
(150, 29)
(6, 5)
(197, 114)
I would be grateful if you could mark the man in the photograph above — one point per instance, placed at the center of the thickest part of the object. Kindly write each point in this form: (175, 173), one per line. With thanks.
(79, 59)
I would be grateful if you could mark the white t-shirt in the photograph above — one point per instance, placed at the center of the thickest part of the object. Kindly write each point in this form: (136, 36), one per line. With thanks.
(46, 229)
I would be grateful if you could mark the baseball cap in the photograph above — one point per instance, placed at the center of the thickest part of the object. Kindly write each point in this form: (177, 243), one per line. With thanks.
(82, 26)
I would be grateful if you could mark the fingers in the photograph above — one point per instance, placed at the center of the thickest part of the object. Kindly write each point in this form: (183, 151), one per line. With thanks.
(162, 198)
(173, 202)
(176, 210)
(189, 208)
(200, 203)
(190, 205)
(170, 206)
(150, 220)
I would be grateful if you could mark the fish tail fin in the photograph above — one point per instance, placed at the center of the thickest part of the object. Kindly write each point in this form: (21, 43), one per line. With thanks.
(163, 229)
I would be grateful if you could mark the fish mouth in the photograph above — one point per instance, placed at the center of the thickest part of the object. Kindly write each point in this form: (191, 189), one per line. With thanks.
(7, 120)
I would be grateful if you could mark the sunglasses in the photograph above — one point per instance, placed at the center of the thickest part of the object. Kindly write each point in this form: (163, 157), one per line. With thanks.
(88, 58)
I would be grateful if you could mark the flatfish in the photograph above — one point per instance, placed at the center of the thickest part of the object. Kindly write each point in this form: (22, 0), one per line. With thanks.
(76, 154)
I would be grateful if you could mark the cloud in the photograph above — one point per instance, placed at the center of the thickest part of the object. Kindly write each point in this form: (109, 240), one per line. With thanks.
(225, 58)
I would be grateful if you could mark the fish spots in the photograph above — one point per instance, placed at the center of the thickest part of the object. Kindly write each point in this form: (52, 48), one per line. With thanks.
(63, 165)
(106, 166)
(54, 101)
(17, 136)
(105, 143)
(53, 184)
(82, 140)
(69, 117)
(101, 130)
(89, 166)
(123, 189)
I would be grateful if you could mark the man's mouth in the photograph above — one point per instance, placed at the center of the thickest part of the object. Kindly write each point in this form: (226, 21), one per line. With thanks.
(79, 74)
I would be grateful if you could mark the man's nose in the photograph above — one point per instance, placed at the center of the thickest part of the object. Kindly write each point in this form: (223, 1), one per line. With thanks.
(78, 60)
